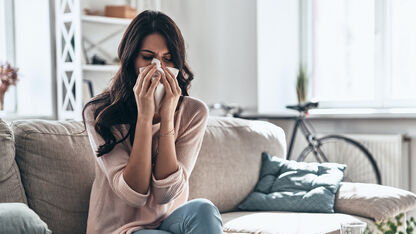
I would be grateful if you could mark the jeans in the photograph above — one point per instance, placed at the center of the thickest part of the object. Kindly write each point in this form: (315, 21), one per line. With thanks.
(197, 216)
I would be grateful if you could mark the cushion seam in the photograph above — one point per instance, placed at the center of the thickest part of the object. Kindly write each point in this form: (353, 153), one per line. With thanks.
(16, 125)
(75, 134)
(15, 168)
(55, 134)
(21, 188)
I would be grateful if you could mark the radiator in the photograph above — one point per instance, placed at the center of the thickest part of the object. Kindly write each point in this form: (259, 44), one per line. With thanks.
(392, 154)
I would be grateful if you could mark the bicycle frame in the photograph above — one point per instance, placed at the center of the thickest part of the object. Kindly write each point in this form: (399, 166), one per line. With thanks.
(299, 122)
(314, 143)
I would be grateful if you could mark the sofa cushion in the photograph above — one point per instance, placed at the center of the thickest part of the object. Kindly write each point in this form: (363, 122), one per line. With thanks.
(57, 170)
(18, 218)
(372, 200)
(11, 188)
(275, 222)
(228, 165)
(287, 185)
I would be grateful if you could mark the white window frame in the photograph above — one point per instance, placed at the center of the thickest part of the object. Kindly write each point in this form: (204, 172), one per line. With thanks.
(383, 61)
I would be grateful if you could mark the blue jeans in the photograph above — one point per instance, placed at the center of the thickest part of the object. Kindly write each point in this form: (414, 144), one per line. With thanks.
(196, 216)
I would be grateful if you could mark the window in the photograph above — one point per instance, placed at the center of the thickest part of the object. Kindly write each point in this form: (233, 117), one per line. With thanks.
(360, 53)
(403, 49)
(2, 33)
(6, 50)
(28, 37)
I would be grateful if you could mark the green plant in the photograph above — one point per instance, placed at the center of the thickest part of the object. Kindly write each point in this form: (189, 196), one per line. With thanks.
(301, 85)
(393, 226)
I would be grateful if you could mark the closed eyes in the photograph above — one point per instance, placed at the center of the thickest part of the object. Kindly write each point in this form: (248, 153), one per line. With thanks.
(151, 57)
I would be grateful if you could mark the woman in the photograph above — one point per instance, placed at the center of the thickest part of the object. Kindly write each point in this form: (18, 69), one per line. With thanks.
(144, 158)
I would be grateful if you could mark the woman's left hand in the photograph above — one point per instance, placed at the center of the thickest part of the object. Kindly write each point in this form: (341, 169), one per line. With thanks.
(172, 95)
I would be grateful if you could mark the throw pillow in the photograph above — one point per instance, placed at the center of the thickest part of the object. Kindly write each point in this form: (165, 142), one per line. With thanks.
(295, 186)
(372, 200)
(18, 218)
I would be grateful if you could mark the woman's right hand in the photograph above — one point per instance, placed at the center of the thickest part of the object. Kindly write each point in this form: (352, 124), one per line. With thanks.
(144, 92)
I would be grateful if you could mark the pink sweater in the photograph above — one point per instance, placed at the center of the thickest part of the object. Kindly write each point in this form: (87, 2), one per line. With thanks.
(117, 208)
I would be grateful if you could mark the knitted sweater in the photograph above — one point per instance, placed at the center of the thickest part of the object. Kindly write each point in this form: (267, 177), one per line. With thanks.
(114, 206)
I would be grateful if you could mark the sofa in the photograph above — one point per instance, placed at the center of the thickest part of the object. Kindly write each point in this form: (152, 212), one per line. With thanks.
(49, 165)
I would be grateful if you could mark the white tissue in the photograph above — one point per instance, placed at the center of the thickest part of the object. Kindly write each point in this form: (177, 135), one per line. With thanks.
(160, 89)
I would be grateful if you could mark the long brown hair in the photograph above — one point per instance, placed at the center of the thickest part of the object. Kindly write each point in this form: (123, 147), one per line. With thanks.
(117, 104)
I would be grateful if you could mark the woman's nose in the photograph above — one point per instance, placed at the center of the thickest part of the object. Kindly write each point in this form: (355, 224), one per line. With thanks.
(162, 63)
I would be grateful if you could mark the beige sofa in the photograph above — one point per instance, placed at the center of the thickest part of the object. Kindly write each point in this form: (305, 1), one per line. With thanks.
(49, 166)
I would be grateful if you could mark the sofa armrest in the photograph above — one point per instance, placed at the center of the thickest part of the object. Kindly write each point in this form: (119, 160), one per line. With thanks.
(373, 201)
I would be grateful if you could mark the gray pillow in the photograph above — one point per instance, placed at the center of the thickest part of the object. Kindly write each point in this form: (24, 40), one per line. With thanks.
(16, 217)
(56, 164)
(295, 186)
(373, 201)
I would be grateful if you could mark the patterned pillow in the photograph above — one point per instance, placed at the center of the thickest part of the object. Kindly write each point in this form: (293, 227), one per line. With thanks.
(295, 186)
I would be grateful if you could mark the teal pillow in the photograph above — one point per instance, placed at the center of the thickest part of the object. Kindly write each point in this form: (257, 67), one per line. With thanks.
(295, 186)
(18, 218)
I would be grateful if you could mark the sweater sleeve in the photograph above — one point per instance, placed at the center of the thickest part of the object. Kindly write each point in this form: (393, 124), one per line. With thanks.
(113, 163)
(187, 147)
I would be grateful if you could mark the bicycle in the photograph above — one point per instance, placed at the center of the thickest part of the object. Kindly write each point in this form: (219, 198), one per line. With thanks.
(361, 166)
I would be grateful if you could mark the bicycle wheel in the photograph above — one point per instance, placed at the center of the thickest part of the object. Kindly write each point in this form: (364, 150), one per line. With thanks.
(361, 166)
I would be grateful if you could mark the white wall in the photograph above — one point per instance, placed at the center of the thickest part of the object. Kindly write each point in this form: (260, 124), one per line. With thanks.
(220, 38)
(221, 44)
(34, 57)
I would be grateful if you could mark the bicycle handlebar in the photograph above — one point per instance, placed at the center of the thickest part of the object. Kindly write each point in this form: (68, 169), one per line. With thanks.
(303, 107)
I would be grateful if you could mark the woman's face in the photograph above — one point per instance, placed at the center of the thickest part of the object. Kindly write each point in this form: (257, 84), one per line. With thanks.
(154, 46)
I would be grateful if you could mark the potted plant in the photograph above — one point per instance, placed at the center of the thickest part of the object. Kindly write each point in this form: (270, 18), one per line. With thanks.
(8, 76)
(394, 226)
(302, 85)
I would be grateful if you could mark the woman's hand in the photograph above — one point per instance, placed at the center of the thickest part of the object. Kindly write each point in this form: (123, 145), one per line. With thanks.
(172, 95)
(144, 92)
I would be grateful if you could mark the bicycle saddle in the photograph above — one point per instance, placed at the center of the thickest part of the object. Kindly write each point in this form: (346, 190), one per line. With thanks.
(303, 107)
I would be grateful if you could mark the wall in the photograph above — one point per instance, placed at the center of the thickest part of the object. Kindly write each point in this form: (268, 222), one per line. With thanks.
(221, 41)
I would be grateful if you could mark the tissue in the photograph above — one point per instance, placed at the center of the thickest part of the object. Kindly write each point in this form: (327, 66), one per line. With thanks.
(160, 89)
